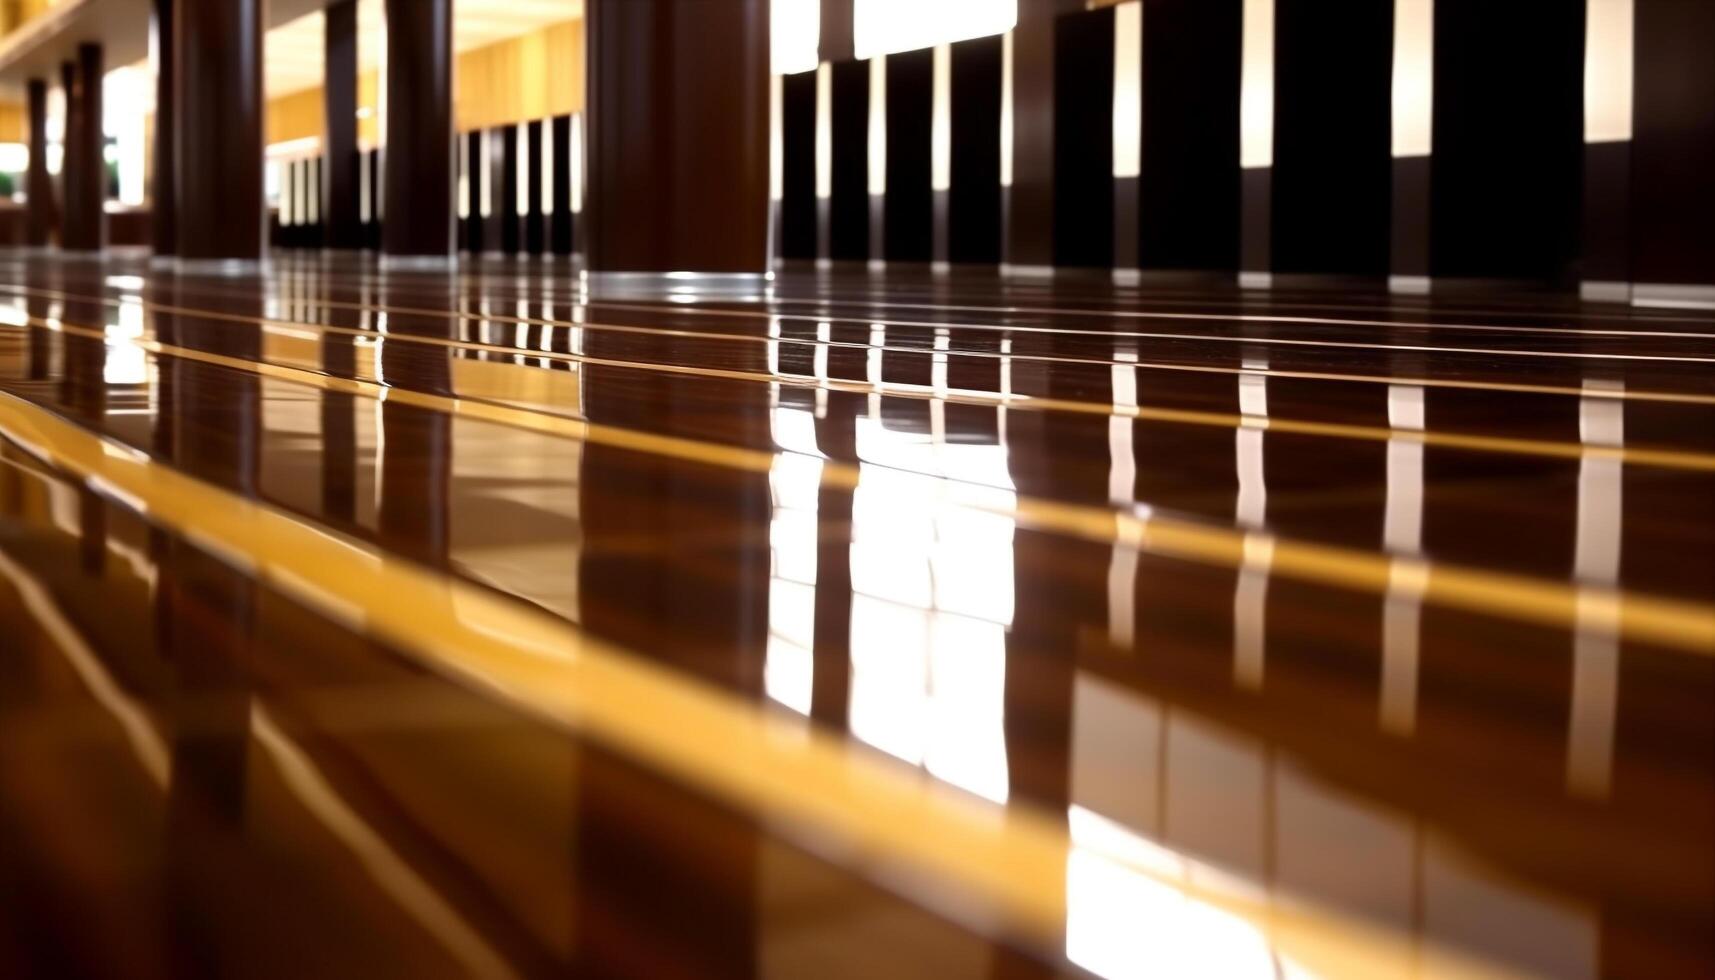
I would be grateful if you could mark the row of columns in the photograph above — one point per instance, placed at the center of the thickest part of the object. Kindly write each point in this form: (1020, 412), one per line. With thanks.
(678, 148)
(83, 173)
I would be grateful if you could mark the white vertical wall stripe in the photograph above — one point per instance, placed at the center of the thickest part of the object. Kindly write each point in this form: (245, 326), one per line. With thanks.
(545, 164)
(462, 161)
(577, 162)
(1256, 93)
(1006, 110)
(484, 163)
(941, 121)
(1128, 89)
(520, 170)
(1413, 76)
(878, 125)
(824, 131)
(776, 144)
(1608, 71)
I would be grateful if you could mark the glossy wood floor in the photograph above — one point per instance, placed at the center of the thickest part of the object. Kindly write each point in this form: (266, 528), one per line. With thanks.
(505, 623)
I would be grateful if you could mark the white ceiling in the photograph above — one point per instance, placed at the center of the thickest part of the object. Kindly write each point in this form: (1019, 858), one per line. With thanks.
(294, 51)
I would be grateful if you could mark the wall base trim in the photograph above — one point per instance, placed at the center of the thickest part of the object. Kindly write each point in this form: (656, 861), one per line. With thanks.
(1604, 291)
(1408, 285)
(1673, 296)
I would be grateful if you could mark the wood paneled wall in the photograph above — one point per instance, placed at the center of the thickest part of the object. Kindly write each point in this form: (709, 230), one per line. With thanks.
(16, 13)
(14, 124)
(296, 116)
(533, 76)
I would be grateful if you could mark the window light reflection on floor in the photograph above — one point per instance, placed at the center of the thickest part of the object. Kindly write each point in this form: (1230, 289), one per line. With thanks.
(931, 571)
(127, 363)
(794, 480)
(1199, 849)
(932, 576)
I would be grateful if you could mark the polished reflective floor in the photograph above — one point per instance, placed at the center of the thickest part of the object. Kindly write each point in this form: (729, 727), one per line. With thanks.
(505, 622)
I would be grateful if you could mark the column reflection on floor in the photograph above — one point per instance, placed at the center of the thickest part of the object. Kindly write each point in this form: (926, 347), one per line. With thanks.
(700, 605)
(205, 629)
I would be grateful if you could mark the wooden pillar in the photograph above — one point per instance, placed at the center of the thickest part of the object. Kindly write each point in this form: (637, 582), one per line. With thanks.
(39, 185)
(340, 223)
(678, 145)
(419, 159)
(218, 93)
(85, 171)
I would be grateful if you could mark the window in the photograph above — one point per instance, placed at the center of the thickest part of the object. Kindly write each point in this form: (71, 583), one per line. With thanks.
(881, 26)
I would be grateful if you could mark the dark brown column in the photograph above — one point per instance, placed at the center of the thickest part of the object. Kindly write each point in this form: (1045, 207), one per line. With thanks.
(218, 91)
(419, 158)
(68, 155)
(39, 185)
(164, 216)
(340, 188)
(85, 170)
(1029, 202)
(209, 425)
(678, 135)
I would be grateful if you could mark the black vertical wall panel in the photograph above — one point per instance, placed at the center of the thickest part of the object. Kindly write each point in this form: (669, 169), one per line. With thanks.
(503, 175)
(1604, 240)
(1333, 119)
(1083, 139)
(373, 232)
(1409, 233)
(475, 240)
(848, 205)
(973, 194)
(461, 167)
(907, 223)
(1506, 175)
(1673, 142)
(1256, 219)
(560, 223)
(1188, 184)
(535, 237)
(798, 166)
